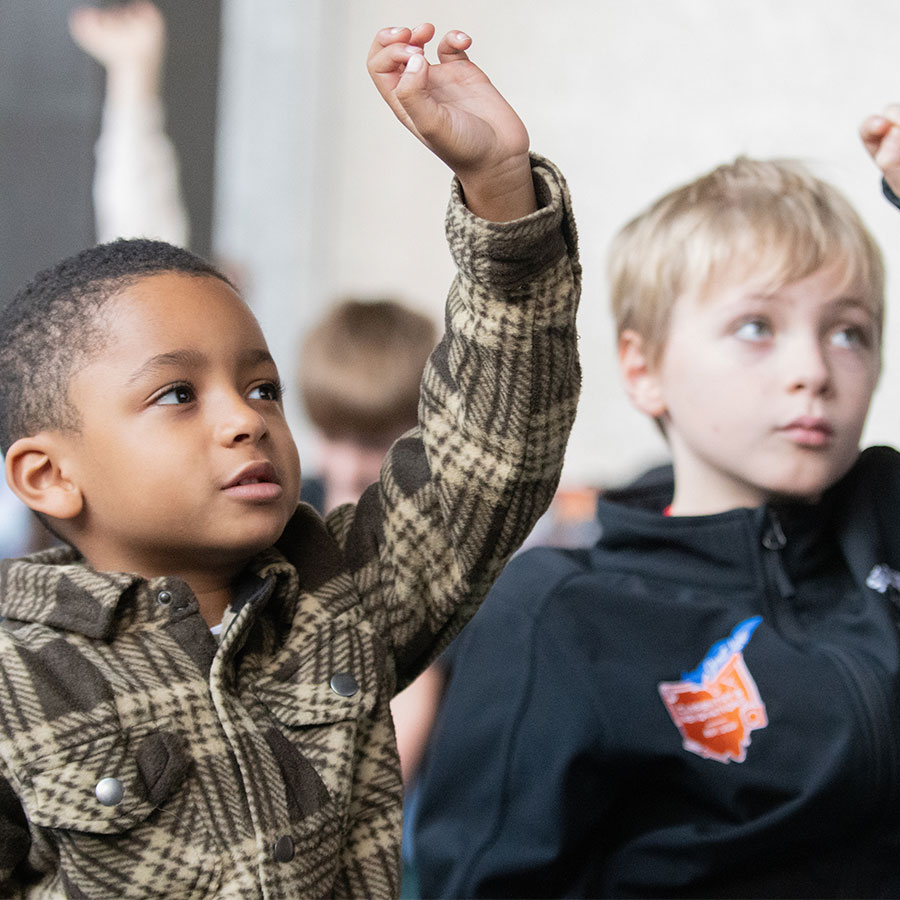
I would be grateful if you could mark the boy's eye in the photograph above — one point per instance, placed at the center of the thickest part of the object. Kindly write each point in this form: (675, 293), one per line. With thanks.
(850, 337)
(266, 391)
(753, 330)
(180, 393)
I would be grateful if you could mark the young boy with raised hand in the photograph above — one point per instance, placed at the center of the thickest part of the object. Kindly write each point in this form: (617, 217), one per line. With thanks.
(707, 702)
(195, 689)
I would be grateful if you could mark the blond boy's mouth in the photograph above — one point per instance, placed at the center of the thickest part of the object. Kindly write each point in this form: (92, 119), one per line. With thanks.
(809, 431)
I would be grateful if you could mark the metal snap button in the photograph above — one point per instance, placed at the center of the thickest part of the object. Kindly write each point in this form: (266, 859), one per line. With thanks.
(110, 791)
(164, 598)
(284, 849)
(344, 684)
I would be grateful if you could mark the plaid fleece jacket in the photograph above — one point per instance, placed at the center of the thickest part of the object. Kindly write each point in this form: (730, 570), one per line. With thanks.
(139, 757)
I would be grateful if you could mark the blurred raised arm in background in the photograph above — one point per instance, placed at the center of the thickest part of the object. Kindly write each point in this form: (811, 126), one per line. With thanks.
(137, 192)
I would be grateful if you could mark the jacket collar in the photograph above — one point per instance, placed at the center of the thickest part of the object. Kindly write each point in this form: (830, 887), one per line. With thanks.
(56, 588)
(728, 546)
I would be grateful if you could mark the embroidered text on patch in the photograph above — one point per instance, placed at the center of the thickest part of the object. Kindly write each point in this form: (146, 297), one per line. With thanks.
(716, 706)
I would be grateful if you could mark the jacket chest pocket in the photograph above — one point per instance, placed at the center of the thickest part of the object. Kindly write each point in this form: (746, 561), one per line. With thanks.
(322, 704)
(122, 813)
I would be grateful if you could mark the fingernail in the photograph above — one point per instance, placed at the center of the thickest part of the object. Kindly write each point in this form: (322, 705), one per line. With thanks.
(415, 63)
(461, 36)
(395, 30)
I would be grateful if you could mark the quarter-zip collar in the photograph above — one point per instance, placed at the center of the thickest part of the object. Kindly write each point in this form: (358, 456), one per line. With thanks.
(728, 547)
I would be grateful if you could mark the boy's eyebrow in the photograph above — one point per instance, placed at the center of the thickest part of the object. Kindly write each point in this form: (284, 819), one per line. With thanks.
(192, 359)
(186, 358)
(853, 300)
(841, 300)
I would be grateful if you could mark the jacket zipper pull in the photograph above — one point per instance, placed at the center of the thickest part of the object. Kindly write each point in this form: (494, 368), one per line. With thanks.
(774, 537)
(886, 581)
(774, 540)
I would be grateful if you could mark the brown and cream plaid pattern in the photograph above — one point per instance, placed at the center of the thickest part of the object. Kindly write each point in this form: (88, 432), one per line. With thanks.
(141, 758)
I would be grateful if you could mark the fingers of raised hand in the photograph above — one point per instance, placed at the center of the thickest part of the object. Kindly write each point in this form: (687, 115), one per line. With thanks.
(111, 32)
(872, 131)
(389, 56)
(422, 34)
(393, 46)
(881, 135)
(453, 46)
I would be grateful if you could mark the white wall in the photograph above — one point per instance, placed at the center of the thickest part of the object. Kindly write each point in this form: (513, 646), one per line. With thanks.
(630, 98)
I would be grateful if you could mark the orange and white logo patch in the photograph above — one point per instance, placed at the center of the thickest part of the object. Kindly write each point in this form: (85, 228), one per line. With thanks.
(716, 706)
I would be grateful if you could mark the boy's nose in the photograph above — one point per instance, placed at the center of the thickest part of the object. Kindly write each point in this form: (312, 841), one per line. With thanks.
(808, 367)
(237, 421)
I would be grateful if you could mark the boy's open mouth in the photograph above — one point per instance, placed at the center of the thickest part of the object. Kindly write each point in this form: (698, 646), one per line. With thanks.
(255, 481)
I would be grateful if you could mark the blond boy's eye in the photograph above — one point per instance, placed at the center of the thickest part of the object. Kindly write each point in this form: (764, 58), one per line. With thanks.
(753, 330)
(850, 337)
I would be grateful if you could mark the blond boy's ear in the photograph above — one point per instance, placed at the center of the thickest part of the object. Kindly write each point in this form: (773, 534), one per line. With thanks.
(35, 475)
(641, 377)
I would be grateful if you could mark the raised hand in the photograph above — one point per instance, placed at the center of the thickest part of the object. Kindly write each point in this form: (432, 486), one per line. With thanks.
(881, 137)
(128, 40)
(453, 108)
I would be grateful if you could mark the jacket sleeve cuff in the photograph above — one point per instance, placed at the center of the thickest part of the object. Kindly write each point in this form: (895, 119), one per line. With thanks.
(505, 254)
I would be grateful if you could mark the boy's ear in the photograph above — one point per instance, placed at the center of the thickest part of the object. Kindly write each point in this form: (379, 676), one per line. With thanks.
(34, 473)
(642, 381)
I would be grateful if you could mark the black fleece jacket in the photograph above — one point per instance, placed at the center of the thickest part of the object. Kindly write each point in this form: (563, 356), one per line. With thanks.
(696, 706)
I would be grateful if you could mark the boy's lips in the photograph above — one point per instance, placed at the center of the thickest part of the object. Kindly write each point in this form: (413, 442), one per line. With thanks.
(808, 431)
(254, 481)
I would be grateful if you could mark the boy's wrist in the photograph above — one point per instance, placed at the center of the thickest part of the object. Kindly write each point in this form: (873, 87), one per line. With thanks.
(130, 80)
(509, 255)
(502, 193)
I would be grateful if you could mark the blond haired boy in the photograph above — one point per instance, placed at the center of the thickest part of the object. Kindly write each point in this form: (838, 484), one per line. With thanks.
(707, 702)
(195, 689)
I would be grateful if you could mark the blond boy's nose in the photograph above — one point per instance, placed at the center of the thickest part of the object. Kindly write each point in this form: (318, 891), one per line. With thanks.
(809, 368)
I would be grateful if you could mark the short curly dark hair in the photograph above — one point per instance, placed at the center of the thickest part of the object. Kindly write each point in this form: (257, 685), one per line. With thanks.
(54, 324)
